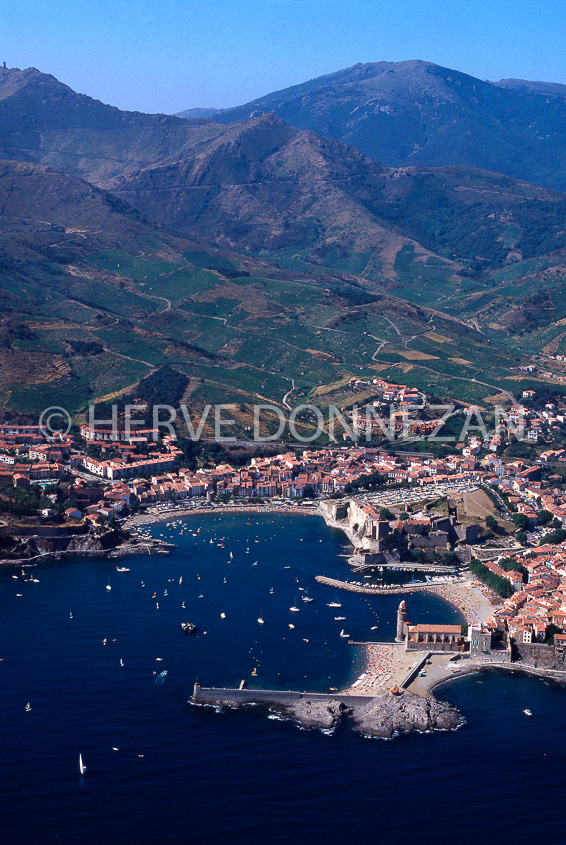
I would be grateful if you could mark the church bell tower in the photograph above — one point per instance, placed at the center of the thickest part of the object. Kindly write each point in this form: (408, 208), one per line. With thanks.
(402, 622)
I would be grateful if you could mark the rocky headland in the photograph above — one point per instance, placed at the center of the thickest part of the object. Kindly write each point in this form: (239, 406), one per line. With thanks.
(384, 716)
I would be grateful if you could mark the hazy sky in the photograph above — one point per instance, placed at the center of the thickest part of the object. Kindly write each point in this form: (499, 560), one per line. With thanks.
(168, 55)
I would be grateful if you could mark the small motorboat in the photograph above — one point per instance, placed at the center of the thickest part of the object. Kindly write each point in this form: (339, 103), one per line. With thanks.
(528, 712)
(291, 626)
(188, 627)
(223, 616)
(122, 569)
(121, 662)
(334, 604)
(344, 635)
(27, 708)
(82, 767)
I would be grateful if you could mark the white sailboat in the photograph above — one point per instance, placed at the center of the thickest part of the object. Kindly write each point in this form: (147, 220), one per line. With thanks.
(343, 635)
(82, 767)
(294, 608)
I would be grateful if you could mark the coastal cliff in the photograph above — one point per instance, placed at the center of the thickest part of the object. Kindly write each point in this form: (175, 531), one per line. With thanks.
(382, 716)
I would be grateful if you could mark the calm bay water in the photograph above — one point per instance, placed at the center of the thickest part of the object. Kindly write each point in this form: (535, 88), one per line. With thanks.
(189, 774)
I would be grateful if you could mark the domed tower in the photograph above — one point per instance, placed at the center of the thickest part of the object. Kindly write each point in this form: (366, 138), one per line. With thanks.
(402, 622)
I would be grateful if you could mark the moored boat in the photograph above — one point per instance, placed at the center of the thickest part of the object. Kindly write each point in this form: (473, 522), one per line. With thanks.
(188, 627)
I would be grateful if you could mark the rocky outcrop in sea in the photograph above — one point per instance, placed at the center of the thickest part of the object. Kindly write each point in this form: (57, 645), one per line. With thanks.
(384, 716)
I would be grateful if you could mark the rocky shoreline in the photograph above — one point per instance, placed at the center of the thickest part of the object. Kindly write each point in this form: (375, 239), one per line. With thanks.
(86, 546)
(382, 716)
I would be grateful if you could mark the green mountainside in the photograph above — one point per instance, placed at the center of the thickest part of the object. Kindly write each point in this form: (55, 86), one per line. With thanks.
(266, 263)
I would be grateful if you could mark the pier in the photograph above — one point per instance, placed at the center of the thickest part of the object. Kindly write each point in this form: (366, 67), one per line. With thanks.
(225, 696)
(370, 589)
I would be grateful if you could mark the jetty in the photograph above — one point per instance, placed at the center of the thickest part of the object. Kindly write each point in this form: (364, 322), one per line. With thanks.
(218, 696)
(376, 590)
(396, 711)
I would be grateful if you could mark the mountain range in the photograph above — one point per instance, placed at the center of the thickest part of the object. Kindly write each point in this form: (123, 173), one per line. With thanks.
(415, 112)
(255, 253)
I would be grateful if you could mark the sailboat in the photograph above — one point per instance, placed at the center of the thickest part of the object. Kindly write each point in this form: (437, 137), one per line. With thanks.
(260, 618)
(295, 609)
(180, 580)
(121, 662)
(82, 767)
(343, 635)
(108, 587)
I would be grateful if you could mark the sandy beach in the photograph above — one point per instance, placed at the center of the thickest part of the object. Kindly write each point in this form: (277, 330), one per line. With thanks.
(471, 598)
(145, 518)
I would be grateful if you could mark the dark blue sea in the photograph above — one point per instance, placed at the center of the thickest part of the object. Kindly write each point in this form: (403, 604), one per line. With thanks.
(185, 774)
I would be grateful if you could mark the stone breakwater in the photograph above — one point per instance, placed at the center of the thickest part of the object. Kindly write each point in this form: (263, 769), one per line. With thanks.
(369, 589)
(383, 716)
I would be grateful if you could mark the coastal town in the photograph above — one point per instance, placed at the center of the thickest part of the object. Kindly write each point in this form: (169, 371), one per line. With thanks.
(467, 510)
